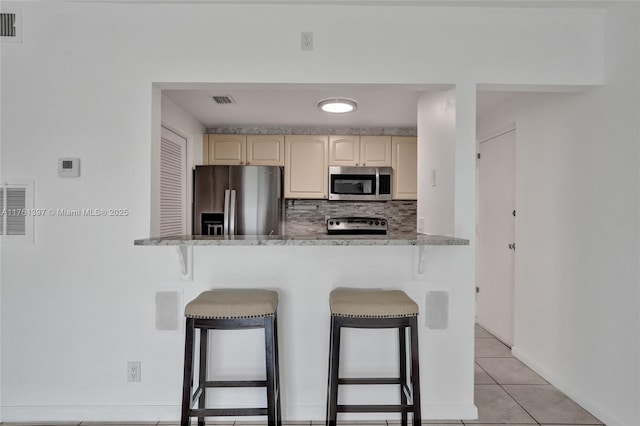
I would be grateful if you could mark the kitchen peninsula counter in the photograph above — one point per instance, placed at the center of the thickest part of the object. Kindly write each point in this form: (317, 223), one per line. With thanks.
(392, 239)
(304, 268)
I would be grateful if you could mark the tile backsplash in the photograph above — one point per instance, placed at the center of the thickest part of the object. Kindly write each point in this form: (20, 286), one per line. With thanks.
(309, 216)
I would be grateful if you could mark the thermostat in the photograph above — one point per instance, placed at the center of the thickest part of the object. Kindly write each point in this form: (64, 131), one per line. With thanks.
(68, 167)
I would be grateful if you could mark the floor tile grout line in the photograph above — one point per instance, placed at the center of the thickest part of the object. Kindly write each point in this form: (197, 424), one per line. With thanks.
(503, 389)
(518, 402)
(549, 384)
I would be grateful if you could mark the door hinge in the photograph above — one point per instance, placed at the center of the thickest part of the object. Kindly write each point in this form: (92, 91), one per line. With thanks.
(478, 156)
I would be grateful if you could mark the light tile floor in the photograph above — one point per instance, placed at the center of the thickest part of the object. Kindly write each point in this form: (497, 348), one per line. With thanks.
(507, 393)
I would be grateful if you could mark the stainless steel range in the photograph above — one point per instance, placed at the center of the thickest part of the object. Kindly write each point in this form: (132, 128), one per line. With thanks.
(357, 225)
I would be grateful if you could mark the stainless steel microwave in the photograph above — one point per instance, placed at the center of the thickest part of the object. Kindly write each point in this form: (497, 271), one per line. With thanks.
(360, 183)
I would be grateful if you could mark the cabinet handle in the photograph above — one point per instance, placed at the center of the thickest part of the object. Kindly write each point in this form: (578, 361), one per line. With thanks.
(364, 164)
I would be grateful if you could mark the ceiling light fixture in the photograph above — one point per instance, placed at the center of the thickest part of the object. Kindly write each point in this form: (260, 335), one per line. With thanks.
(337, 105)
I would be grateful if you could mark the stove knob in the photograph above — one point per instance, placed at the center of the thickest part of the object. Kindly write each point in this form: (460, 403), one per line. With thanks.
(330, 222)
(337, 222)
(382, 223)
(377, 222)
(370, 222)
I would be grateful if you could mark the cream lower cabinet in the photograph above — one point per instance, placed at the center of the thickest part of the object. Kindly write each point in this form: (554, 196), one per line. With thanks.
(405, 167)
(306, 171)
(230, 150)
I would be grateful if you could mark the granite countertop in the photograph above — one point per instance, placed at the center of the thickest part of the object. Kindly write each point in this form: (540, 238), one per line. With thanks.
(392, 239)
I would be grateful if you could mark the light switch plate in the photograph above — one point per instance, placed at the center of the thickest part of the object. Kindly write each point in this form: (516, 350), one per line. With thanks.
(68, 167)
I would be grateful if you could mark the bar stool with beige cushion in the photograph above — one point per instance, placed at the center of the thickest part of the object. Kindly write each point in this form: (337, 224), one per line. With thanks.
(230, 310)
(372, 308)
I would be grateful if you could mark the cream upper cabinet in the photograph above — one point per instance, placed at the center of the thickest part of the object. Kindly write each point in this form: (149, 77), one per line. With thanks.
(225, 149)
(265, 150)
(344, 150)
(405, 167)
(307, 166)
(230, 150)
(375, 151)
(365, 151)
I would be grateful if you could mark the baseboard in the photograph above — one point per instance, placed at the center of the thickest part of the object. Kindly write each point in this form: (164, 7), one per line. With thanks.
(571, 391)
(452, 412)
(106, 413)
(429, 412)
(141, 413)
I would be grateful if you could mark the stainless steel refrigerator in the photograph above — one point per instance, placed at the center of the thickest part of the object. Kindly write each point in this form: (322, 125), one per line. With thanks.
(238, 200)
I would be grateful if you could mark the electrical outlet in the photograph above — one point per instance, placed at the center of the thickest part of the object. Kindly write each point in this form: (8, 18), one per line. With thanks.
(134, 371)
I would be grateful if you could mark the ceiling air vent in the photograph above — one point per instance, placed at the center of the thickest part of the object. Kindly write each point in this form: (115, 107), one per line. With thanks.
(223, 100)
(10, 26)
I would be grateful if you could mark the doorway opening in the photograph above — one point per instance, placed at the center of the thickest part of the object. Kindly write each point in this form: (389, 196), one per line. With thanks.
(496, 234)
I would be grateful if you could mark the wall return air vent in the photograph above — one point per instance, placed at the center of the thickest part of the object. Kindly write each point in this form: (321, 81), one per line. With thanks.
(223, 100)
(10, 28)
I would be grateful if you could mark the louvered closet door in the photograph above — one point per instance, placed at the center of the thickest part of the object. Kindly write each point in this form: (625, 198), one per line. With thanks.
(173, 192)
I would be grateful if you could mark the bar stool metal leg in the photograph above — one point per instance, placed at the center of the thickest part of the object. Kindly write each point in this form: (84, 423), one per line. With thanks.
(415, 373)
(277, 372)
(329, 368)
(202, 371)
(187, 381)
(334, 369)
(270, 363)
(402, 353)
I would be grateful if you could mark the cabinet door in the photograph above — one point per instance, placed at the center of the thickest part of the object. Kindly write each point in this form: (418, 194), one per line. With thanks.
(306, 166)
(375, 151)
(227, 149)
(405, 167)
(265, 150)
(344, 150)
(205, 149)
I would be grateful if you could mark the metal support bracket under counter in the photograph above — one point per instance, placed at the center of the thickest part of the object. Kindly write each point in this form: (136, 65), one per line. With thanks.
(185, 256)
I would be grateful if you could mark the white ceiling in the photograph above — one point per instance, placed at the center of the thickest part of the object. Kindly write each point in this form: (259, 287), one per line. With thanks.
(296, 105)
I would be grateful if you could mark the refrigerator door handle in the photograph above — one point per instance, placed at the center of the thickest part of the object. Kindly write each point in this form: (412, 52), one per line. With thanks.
(225, 223)
(232, 213)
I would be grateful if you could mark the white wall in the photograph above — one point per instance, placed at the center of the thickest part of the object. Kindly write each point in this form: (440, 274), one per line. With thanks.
(81, 84)
(577, 278)
(436, 154)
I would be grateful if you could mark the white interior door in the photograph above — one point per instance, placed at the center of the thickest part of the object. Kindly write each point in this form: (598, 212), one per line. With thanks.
(496, 234)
